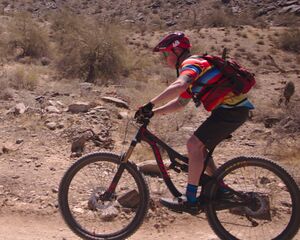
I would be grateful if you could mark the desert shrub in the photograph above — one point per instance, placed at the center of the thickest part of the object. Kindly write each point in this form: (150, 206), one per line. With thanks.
(290, 40)
(219, 18)
(27, 37)
(5, 91)
(86, 50)
(23, 79)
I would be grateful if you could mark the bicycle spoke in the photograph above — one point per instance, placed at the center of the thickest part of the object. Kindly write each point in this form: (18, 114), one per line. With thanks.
(269, 206)
(90, 211)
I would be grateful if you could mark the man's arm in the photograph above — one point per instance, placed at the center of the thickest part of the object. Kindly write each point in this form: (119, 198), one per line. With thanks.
(174, 90)
(172, 106)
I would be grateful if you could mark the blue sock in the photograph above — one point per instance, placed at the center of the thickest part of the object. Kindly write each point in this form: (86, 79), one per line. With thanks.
(191, 192)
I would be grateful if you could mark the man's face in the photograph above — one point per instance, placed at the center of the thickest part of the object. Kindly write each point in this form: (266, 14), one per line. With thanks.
(171, 58)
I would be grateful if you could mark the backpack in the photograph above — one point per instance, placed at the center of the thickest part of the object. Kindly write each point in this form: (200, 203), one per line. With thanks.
(234, 78)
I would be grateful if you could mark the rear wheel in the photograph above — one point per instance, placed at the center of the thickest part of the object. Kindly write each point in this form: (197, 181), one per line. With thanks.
(84, 206)
(265, 204)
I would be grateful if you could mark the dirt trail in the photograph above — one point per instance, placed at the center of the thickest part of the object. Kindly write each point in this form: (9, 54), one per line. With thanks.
(25, 227)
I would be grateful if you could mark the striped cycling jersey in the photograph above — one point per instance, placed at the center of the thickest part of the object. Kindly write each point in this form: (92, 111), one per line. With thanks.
(202, 72)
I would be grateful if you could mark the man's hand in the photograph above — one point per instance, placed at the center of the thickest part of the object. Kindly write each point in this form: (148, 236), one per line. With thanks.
(144, 112)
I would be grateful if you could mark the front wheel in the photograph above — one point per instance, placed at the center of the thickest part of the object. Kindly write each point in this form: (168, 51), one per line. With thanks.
(92, 209)
(257, 199)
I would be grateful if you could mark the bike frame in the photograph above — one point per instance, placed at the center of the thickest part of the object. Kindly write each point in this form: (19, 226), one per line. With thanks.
(178, 161)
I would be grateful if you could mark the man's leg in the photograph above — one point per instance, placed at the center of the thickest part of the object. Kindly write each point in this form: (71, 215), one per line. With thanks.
(211, 167)
(196, 154)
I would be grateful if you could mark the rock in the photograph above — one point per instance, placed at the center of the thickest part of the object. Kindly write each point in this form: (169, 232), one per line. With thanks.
(7, 148)
(79, 143)
(59, 103)
(79, 107)
(292, 9)
(45, 61)
(109, 213)
(287, 3)
(60, 125)
(264, 180)
(156, 4)
(122, 115)
(51, 125)
(118, 102)
(270, 121)
(19, 141)
(190, 2)
(130, 199)
(265, 10)
(171, 23)
(85, 88)
(52, 109)
(20, 108)
(140, 17)
(151, 168)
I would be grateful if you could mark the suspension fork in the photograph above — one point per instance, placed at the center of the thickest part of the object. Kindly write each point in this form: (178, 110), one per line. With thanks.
(124, 159)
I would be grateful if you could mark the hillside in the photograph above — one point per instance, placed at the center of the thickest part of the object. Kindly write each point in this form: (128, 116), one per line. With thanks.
(69, 66)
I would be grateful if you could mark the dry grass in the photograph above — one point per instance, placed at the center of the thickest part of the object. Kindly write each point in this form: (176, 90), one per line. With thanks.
(23, 78)
(290, 40)
(5, 93)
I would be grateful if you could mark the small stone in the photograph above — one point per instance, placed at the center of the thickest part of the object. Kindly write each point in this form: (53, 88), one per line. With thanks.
(109, 213)
(52, 109)
(122, 115)
(130, 199)
(19, 141)
(37, 165)
(45, 61)
(51, 125)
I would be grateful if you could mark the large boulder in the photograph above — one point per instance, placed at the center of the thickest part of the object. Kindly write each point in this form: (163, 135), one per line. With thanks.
(79, 107)
(151, 168)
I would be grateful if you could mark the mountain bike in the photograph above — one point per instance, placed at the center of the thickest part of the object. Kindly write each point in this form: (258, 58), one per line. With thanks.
(103, 195)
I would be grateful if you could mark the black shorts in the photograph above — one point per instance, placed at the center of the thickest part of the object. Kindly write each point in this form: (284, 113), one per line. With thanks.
(220, 124)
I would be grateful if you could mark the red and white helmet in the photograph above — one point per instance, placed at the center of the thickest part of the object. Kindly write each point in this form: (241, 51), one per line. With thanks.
(171, 41)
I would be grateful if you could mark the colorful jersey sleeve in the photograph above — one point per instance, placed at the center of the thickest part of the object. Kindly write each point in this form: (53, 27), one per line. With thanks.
(194, 68)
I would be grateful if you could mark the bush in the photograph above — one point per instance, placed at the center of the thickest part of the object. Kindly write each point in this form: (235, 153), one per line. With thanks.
(21, 79)
(87, 51)
(290, 40)
(27, 37)
(219, 18)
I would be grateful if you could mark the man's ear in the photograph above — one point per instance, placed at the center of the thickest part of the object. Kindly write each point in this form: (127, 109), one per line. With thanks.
(178, 51)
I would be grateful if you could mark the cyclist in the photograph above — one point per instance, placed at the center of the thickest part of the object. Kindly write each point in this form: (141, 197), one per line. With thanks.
(225, 117)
